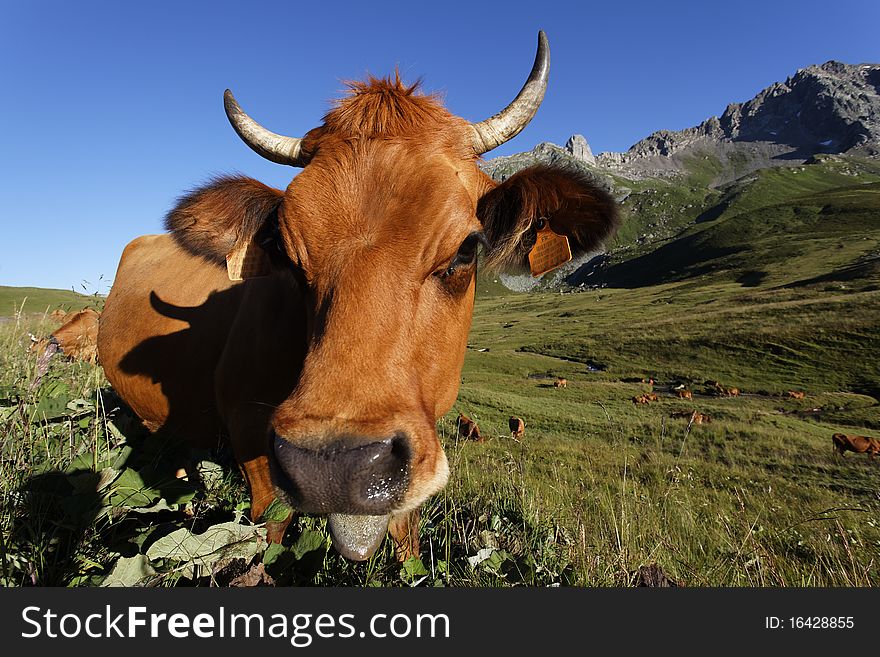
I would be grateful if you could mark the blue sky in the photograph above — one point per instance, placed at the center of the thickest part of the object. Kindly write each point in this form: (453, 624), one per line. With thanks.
(111, 110)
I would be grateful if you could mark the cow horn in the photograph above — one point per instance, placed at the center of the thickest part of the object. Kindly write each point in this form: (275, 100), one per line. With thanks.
(278, 148)
(510, 121)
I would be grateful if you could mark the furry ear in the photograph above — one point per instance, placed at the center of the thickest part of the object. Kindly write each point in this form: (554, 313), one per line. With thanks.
(225, 215)
(574, 205)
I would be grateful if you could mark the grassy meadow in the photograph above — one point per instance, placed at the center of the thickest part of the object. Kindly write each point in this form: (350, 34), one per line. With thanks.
(767, 296)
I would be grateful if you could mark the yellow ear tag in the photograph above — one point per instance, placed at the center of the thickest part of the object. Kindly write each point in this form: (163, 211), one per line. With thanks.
(550, 251)
(247, 261)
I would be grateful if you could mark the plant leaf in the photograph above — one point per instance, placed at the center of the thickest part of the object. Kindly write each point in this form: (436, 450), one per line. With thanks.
(129, 571)
(225, 541)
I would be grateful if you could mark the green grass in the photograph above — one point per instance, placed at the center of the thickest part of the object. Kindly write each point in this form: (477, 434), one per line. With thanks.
(597, 487)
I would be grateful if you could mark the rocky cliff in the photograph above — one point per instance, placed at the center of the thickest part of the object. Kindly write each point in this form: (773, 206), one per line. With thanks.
(832, 108)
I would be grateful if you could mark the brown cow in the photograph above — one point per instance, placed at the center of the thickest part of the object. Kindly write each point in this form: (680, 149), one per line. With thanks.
(76, 338)
(701, 418)
(645, 399)
(796, 394)
(560, 383)
(858, 444)
(685, 394)
(695, 417)
(517, 427)
(469, 429)
(732, 392)
(329, 363)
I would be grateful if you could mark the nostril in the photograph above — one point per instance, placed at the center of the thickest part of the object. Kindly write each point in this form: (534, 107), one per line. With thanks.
(346, 476)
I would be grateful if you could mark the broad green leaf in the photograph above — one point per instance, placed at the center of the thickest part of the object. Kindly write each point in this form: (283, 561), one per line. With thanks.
(277, 511)
(129, 571)
(412, 568)
(80, 405)
(309, 541)
(129, 490)
(272, 553)
(50, 408)
(225, 541)
(496, 560)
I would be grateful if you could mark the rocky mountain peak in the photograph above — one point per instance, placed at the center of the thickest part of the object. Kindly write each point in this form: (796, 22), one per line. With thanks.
(577, 145)
(829, 108)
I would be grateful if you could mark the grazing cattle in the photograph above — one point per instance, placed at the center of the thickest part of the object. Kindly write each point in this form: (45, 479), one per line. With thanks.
(322, 329)
(695, 417)
(645, 399)
(560, 383)
(685, 394)
(517, 427)
(796, 394)
(732, 392)
(76, 338)
(469, 429)
(858, 444)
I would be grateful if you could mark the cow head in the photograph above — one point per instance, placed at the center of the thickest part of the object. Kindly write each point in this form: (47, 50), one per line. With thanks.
(382, 230)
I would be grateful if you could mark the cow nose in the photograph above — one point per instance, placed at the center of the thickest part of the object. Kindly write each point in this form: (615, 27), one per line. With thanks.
(348, 476)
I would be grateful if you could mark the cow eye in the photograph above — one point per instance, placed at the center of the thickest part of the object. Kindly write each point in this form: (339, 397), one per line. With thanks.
(466, 255)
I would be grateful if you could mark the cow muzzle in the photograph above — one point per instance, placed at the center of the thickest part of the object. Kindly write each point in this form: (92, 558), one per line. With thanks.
(357, 483)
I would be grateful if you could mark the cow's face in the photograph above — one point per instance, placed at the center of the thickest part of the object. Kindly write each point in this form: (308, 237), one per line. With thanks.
(386, 235)
(382, 228)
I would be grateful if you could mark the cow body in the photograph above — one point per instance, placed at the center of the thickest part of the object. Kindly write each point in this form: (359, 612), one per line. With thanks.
(858, 444)
(76, 338)
(517, 427)
(469, 429)
(329, 363)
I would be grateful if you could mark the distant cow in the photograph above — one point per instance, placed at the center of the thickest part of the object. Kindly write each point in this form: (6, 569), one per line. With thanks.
(693, 416)
(859, 444)
(795, 394)
(469, 429)
(76, 338)
(701, 418)
(645, 399)
(517, 427)
(732, 392)
(560, 383)
(685, 394)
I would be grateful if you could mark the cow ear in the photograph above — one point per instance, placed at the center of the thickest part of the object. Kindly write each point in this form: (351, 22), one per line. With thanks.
(569, 200)
(233, 222)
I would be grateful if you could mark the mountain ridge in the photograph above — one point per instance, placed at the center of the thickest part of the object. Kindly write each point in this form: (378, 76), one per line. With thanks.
(831, 108)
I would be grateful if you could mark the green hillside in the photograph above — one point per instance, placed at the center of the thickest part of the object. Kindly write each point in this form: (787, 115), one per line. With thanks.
(32, 300)
(779, 226)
